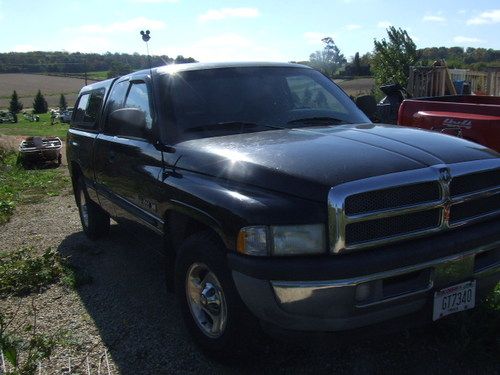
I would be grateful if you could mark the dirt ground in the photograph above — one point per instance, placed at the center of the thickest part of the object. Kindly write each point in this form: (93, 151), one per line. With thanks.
(124, 316)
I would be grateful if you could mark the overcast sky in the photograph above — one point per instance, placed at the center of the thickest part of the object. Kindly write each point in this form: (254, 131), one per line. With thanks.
(227, 30)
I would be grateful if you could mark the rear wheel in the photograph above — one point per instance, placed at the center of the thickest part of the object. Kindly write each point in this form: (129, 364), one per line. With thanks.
(212, 309)
(95, 221)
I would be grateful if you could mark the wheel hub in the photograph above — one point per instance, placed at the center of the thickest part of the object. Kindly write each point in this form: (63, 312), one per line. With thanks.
(210, 298)
(206, 300)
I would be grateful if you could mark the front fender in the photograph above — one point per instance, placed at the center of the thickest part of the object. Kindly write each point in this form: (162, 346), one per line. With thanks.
(226, 207)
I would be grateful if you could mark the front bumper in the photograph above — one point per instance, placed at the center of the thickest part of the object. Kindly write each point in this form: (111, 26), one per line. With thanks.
(323, 302)
(46, 154)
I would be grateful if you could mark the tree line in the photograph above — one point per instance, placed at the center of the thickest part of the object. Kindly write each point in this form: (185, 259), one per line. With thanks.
(458, 57)
(397, 49)
(65, 62)
(330, 60)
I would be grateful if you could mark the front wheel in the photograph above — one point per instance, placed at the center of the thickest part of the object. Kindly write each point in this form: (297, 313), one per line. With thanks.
(212, 309)
(95, 222)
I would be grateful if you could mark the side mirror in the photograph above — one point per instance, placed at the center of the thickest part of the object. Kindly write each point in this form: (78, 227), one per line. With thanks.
(128, 122)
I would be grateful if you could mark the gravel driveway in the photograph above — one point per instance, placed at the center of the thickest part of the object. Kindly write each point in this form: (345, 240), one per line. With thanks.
(124, 308)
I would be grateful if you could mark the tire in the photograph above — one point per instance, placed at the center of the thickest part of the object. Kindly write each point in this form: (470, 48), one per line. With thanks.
(59, 159)
(95, 222)
(25, 163)
(216, 317)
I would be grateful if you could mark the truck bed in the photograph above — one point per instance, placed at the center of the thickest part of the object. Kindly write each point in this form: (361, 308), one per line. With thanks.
(476, 118)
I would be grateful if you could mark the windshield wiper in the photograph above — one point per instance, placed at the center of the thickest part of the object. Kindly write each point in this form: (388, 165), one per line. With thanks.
(229, 125)
(317, 120)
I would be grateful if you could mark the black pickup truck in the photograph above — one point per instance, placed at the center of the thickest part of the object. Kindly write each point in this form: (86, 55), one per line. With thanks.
(279, 202)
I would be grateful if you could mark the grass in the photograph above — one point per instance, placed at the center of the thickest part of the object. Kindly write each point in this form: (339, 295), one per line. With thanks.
(98, 76)
(23, 348)
(41, 128)
(21, 186)
(95, 76)
(23, 272)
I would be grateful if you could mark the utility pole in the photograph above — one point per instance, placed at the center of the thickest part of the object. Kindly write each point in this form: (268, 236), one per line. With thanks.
(85, 68)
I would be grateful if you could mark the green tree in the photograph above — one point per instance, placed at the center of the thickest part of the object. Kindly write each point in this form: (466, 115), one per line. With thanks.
(357, 64)
(119, 69)
(62, 103)
(183, 60)
(40, 104)
(393, 58)
(15, 106)
(328, 60)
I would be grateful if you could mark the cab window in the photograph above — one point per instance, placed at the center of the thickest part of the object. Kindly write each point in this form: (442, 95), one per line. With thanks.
(88, 109)
(138, 98)
(129, 94)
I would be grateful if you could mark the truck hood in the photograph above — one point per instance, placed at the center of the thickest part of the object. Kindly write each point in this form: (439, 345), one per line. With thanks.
(307, 162)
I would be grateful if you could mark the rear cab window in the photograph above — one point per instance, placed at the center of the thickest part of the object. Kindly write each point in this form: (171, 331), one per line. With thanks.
(88, 109)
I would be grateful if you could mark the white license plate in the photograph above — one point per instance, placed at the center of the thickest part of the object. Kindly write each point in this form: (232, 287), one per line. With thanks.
(454, 299)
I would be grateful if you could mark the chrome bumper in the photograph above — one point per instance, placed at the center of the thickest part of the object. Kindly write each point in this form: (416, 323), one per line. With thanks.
(355, 302)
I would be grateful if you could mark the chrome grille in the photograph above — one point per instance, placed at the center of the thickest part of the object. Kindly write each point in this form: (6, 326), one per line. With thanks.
(473, 208)
(474, 182)
(392, 226)
(405, 205)
(392, 198)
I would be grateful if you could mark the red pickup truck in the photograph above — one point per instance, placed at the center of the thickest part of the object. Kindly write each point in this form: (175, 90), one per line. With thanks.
(476, 118)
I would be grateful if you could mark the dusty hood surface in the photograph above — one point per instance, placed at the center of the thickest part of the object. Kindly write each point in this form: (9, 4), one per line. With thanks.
(307, 162)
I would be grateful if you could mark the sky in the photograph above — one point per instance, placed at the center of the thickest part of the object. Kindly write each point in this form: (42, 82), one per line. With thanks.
(235, 30)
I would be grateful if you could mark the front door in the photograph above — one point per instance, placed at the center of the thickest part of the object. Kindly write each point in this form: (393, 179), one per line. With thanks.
(128, 167)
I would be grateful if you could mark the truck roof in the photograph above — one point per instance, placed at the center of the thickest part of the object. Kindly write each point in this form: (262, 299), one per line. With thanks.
(174, 68)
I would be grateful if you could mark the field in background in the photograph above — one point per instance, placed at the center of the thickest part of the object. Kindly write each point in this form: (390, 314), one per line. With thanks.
(27, 86)
(52, 87)
(357, 86)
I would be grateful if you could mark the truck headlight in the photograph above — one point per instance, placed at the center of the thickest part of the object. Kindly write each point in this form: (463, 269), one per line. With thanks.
(282, 240)
(298, 239)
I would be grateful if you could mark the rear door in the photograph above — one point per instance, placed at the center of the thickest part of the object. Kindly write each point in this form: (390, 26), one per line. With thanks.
(129, 166)
(83, 132)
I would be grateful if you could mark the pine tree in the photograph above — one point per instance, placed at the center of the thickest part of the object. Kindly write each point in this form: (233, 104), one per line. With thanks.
(40, 104)
(15, 106)
(62, 103)
(357, 64)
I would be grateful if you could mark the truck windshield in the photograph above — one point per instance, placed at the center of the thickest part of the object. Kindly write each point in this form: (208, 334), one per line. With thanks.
(256, 99)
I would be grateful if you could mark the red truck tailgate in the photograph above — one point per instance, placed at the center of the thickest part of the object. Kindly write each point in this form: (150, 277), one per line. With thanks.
(467, 118)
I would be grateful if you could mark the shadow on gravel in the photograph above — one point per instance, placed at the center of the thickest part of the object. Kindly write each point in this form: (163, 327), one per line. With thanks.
(140, 323)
